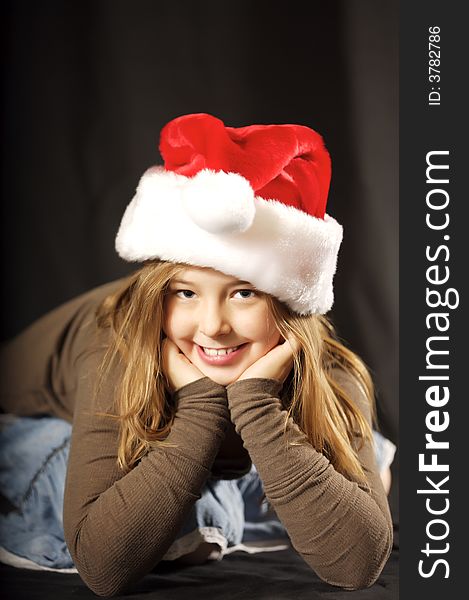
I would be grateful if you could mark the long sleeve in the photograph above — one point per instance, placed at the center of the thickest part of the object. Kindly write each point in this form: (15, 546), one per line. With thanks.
(117, 526)
(341, 529)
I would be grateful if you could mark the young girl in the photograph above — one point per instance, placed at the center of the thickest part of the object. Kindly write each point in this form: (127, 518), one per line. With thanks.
(208, 379)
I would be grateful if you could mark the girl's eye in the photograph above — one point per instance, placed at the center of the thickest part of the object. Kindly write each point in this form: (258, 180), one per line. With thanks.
(246, 294)
(187, 294)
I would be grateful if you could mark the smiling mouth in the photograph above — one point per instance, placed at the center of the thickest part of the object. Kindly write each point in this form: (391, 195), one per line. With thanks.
(219, 351)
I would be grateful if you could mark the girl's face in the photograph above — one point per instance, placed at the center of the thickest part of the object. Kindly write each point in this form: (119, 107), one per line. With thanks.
(221, 324)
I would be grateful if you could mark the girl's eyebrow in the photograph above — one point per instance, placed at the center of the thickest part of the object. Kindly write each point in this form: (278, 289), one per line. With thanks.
(184, 282)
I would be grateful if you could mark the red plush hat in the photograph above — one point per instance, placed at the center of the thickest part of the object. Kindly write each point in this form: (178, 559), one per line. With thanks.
(248, 201)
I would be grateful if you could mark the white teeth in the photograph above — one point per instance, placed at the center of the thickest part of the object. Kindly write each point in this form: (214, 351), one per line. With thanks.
(214, 352)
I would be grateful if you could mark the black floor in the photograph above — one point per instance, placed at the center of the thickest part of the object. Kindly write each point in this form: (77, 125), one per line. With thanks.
(266, 576)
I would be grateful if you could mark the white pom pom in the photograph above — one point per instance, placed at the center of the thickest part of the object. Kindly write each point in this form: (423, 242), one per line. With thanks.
(219, 202)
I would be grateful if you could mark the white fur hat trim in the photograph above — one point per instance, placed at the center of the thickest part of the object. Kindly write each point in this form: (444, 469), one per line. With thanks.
(214, 220)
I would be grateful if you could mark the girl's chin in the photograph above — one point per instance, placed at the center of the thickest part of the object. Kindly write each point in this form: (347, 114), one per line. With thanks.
(220, 378)
(221, 375)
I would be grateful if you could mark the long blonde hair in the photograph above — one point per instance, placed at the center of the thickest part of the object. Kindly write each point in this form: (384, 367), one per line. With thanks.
(316, 402)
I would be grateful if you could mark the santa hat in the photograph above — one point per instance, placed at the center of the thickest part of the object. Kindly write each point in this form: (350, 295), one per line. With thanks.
(249, 202)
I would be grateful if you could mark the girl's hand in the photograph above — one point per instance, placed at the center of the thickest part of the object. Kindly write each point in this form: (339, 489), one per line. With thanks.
(276, 364)
(177, 368)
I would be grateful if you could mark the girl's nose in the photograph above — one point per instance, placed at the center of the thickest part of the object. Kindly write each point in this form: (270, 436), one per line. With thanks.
(213, 321)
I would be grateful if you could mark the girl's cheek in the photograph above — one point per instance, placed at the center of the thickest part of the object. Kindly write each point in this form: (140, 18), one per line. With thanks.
(264, 327)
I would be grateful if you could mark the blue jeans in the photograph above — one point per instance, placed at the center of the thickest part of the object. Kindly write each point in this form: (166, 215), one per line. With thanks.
(33, 464)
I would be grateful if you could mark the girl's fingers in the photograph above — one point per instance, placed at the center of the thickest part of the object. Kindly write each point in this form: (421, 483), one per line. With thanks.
(169, 346)
(171, 352)
(177, 368)
(290, 346)
(294, 345)
(174, 351)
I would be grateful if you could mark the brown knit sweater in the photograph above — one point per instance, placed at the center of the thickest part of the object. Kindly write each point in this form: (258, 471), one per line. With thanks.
(118, 526)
